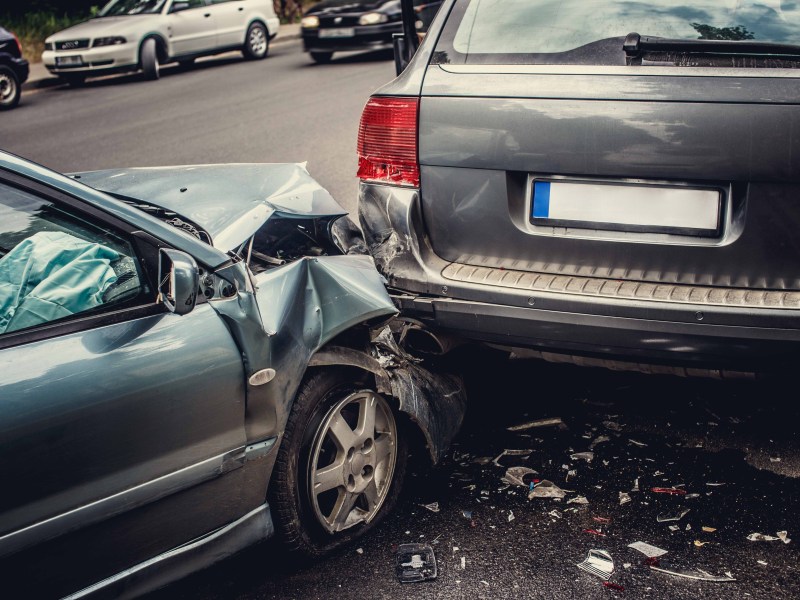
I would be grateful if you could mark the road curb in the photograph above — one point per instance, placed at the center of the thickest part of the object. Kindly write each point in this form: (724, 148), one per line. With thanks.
(47, 81)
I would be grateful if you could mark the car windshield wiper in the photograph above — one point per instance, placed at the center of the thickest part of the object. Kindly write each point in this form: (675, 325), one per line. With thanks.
(635, 44)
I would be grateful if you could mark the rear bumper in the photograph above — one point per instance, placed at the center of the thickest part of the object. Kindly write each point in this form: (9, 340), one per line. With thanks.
(703, 334)
(371, 37)
(20, 67)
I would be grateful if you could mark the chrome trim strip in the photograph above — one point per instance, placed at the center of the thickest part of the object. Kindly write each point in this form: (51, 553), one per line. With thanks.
(627, 71)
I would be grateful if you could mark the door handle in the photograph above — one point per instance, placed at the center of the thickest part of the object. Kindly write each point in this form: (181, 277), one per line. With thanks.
(241, 8)
(207, 15)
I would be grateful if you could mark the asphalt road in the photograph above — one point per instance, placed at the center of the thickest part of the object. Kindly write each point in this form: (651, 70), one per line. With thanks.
(733, 448)
(225, 109)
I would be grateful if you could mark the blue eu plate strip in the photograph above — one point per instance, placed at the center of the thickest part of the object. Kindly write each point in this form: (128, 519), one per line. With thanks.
(541, 199)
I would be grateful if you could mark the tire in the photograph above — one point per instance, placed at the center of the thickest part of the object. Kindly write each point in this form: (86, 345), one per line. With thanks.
(10, 88)
(256, 42)
(331, 405)
(148, 59)
(73, 80)
(321, 58)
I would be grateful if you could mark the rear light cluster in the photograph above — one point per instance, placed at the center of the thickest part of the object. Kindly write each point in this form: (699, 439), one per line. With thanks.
(387, 141)
(19, 46)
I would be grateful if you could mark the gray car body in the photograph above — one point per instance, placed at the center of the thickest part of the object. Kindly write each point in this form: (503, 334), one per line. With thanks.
(462, 256)
(139, 447)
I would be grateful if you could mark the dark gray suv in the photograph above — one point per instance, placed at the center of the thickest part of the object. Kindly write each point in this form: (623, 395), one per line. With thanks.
(606, 182)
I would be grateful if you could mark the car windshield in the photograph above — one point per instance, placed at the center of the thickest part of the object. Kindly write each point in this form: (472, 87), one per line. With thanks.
(118, 8)
(481, 30)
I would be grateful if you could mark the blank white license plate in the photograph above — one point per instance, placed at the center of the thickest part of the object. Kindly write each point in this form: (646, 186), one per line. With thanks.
(337, 32)
(68, 61)
(617, 207)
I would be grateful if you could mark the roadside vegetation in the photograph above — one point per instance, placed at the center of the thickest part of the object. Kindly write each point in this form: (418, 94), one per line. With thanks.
(40, 18)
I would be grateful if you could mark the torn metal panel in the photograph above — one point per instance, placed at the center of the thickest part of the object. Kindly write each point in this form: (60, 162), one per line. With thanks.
(229, 202)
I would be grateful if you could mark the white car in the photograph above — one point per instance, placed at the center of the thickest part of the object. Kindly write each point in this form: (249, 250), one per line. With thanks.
(128, 35)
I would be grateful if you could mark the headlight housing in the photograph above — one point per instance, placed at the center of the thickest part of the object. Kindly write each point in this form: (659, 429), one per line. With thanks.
(373, 18)
(310, 22)
(108, 41)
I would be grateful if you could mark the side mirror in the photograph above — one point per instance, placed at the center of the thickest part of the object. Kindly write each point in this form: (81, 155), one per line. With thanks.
(178, 281)
(178, 6)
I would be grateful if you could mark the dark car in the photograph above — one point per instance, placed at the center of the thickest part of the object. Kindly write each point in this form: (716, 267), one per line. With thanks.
(13, 70)
(613, 183)
(339, 25)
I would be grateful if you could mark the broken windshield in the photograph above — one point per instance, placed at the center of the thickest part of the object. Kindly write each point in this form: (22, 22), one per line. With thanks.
(592, 31)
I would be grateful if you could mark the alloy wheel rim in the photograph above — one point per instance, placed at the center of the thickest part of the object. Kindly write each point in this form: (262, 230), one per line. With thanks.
(258, 41)
(7, 88)
(352, 461)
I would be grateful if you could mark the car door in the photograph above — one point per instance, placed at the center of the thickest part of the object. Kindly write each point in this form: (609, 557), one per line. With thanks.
(231, 20)
(108, 402)
(191, 26)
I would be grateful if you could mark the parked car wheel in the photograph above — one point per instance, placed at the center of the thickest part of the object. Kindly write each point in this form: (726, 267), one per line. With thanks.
(10, 89)
(256, 42)
(149, 59)
(340, 466)
(321, 58)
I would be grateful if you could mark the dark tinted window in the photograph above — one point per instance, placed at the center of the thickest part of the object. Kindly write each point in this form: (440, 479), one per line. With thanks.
(591, 31)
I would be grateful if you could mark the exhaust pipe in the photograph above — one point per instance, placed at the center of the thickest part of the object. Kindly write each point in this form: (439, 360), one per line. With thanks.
(417, 338)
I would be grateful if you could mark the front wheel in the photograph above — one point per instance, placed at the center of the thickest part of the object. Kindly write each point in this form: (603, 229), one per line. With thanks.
(256, 42)
(340, 465)
(10, 89)
(149, 59)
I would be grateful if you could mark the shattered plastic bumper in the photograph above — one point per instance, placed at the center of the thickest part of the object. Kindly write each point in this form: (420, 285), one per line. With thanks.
(709, 338)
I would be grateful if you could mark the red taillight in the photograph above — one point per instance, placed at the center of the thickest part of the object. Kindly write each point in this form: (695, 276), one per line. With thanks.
(387, 141)
(19, 46)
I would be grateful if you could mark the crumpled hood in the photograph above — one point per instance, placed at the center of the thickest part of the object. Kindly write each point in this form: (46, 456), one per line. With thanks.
(106, 26)
(230, 202)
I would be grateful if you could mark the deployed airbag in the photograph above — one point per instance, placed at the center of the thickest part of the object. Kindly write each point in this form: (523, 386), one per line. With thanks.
(52, 275)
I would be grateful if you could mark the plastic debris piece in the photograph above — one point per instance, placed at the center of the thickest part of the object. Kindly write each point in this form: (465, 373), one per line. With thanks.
(482, 460)
(699, 574)
(511, 452)
(359, 551)
(594, 532)
(775, 459)
(637, 443)
(433, 507)
(690, 496)
(415, 562)
(671, 490)
(467, 514)
(598, 563)
(510, 516)
(486, 583)
(673, 528)
(600, 519)
(578, 500)
(635, 487)
(516, 475)
(709, 529)
(700, 543)
(714, 483)
(587, 456)
(782, 536)
(614, 586)
(676, 515)
(688, 527)
(760, 537)
(463, 563)
(546, 489)
(626, 565)
(612, 425)
(624, 498)
(538, 423)
(648, 550)
(555, 514)
(762, 562)
(600, 439)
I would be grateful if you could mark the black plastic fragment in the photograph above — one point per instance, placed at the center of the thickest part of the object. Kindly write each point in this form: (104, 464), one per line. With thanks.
(415, 562)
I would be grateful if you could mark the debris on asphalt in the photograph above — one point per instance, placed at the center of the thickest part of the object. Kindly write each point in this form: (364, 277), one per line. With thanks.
(614, 586)
(698, 574)
(612, 425)
(637, 443)
(415, 562)
(635, 487)
(598, 563)
(600, 439)
(714, 483)
(511, 452)
(510, 516)
(709, 529)
(433, 507)
(624, 498)
(760, 537)
(594, 532)
(546, 489)
(675, 515)
(674, 528)
(587, 456)
(700, 543)
(671, 490)
(463, 563)
(538, 423)
(555, 514)
(600, 519)
(648, 550)
(467, 514)
(516, 476)
(578, 500)
(359, 551)
(482, 460)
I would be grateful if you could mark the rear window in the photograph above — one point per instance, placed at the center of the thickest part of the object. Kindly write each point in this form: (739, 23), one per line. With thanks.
(592, 31)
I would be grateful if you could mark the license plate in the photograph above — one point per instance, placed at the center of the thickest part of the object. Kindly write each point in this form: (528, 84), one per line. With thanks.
(69, 61)
(337, 32)
(626, 207)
